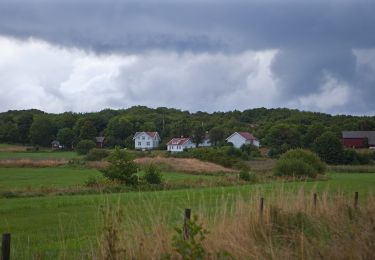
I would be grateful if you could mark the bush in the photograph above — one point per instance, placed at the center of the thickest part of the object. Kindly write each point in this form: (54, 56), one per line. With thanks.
(329, 148)
(153, 175)
(96, 154)
(299, 163)
(122, 168)
(294, 167)
(84, 146)
(247, 176)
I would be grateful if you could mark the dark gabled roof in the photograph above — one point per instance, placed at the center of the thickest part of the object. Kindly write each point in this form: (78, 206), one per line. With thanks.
(370, 135)
(178, 141)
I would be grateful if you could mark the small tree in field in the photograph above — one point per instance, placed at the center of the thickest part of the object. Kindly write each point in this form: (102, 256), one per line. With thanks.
(153, 175)
(84, 146)
(122, 168)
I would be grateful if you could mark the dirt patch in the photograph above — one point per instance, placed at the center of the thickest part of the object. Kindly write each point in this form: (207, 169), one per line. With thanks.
(183, 164)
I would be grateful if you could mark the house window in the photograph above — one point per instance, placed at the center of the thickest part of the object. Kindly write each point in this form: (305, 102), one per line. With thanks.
(139, 143)
(148, 143)
(143, 138)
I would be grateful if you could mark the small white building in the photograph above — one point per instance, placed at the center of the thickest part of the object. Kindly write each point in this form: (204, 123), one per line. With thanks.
(240, 138)
(179, 144)
(146, 140)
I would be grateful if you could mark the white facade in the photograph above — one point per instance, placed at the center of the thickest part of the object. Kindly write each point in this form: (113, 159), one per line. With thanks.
(177, 145)
(238, 140)
(146, 140)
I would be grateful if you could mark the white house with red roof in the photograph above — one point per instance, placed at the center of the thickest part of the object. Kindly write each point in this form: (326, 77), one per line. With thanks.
(146, 140)
(179, 144)
(240, 138)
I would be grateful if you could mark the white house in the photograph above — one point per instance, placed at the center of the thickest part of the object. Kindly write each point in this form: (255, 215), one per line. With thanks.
(179, 144)
(240, 138)
(146, 140)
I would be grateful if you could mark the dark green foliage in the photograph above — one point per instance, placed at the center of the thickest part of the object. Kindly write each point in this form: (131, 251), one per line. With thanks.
(247, 176)
(153, 175)
(217, 135)
(282, 137)
(97, 154)
(198, 135)
(87, 131)
(122, 168)
(84, 146)
(119, 129)
(66, 137)
(250, 150)
(294, 167)
(24, 122)
(41, 131)
(329, 148)
(192, 247)
(299, 163)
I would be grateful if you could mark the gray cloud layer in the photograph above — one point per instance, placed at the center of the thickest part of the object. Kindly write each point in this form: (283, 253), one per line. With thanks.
(322, 46)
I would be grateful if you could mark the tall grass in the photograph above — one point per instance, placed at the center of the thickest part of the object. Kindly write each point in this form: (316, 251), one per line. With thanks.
(290, 227)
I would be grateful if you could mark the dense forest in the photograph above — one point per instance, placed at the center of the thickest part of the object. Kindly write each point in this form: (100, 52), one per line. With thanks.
(278, 129)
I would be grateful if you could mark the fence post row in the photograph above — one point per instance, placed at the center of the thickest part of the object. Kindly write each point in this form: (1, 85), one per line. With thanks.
(185, 230)
(5, 247)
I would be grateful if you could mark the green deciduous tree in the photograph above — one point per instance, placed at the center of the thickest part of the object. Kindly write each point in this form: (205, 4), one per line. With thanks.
(217, 134)
(329, 148)
(198, 135)
(66, 137)
(121, 167)
(41, 131)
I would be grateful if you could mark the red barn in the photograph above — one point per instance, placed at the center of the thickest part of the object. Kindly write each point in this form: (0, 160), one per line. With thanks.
(358, 139)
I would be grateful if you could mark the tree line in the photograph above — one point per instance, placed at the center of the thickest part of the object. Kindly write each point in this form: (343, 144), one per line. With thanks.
(280, 129)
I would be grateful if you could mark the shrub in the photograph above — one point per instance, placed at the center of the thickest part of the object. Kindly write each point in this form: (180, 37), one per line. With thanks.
(294, 167)
(153, 175)
(329, 148)
(306, 156)
(247, 176)
(84, 146)
(121, 168)
(96, 154)
(191, 247)
(299, 163)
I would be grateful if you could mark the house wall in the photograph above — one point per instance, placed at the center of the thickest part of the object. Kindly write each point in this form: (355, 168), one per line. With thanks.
(237, 140)
(354, 142)
(144, 141)
(180, 148)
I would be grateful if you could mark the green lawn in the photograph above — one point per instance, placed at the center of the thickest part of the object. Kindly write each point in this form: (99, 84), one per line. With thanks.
(50, 224)
(25, 178)
(39, 155)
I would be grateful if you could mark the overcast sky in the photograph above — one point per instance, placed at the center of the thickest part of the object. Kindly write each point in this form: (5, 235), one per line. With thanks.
(194, 55)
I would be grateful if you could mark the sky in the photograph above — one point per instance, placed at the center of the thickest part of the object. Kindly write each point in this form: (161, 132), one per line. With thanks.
(205, 55)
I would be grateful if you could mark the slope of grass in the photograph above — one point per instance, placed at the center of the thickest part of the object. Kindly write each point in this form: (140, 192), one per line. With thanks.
(53, 225)
(39, 155)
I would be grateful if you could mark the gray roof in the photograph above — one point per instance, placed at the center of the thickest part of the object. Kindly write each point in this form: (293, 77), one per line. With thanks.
(370, 135)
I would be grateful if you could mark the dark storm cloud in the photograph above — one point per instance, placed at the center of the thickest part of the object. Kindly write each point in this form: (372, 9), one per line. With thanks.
(313, 38)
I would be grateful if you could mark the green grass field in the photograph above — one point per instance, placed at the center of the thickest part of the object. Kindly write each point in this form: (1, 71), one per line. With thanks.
(54, 224)
(61, 177)
(39, 155)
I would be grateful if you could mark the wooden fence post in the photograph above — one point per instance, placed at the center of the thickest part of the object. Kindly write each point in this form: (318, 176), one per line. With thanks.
(315, 199)
(187, 216)
(5, 247)
(261, 207)
(356, 200)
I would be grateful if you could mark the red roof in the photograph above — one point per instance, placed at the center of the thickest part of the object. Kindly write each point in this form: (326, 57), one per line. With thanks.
(178, 141)
(247, 135)
(152, 134)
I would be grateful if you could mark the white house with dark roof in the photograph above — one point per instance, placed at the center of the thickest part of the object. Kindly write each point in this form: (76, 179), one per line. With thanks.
(179, 144)
(240, 138)
(146, 140)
